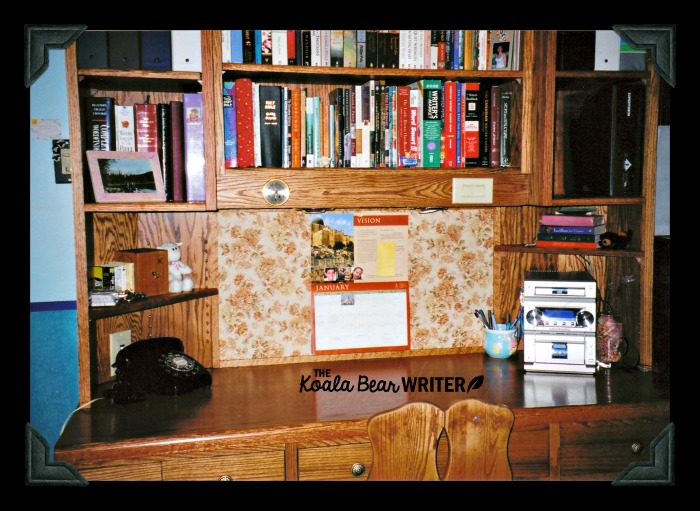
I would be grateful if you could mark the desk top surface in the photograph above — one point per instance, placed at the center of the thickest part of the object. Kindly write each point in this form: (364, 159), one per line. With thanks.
(248, 399)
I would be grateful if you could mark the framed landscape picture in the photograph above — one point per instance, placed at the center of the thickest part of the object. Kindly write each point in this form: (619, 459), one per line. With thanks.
(126, 176)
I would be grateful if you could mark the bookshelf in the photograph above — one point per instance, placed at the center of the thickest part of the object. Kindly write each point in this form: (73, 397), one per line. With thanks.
(521, 193)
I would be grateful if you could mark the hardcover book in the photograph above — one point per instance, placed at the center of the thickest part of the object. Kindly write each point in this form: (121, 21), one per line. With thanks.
(406, 157)
(266, 46)
(124, 51)
(372, 49)
(416, 135)
(335, 98)
(186, 50)
(472, 117)
(91, 48)
(230, 127)
(244, 122)
(164, 149)
(588, 238)
(125, 128)
(506, 114)
(292, 47)
(270, 97)
(362, 48)
(573, 220)
(450, 124)
(177, 150)
(146, 117)
(156, 52)
(279, 48)
(237, 46)
(349, 48)
(194, 147)
(248, 46)
(296, 128)
(256, 124)
(99, 125)
(485, 127)
(572, 229)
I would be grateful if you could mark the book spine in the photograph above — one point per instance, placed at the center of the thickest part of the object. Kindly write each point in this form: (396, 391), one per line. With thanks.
(572, 229)
(100, 124)
(125, 128)
(237, 46)
(257, 45)
(302, 131)
(326, 48)
(306, 47)
(416, 135)
(292, 47)
(225, 46)
(450, 121)
(572, 220)
(287, 128)
(565, 244)
(432, 123)
(244, 122)
(332, 151)
(403, 142)
(588, 238)
(372, 48)
(177, 148)
(318, 135)
(459, 123)
(506, 114)
(315, 48)
(434, 40)
(353, 126)
(442, 49)
(310, 156)
(485, 128)
(393, 50)
(472, 117)
(296, 128)
(266, 46)
(146, 117)
(230, 128)
(279, 48)
(349, 48)
(324, 132)
(362, 48)
(194, 147)
(337, 48)
(495, 159)
(347, 135)
(164, 150)
(379, 98)
(248, 46)
(270, 97)
(371, 119)
(256, 125)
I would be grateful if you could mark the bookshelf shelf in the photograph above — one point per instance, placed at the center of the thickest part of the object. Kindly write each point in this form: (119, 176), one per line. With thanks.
(568, 251)
(145, 207)
(151, 302)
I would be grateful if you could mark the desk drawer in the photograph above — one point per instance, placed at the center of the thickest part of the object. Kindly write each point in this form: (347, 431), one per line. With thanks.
(334, 463)
(260, 466)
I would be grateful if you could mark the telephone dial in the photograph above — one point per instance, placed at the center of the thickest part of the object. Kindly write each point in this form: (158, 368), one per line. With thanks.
(155, 366)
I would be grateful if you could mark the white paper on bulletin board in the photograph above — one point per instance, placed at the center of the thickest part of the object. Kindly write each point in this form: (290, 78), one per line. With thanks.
(381, 247)
(351, 317)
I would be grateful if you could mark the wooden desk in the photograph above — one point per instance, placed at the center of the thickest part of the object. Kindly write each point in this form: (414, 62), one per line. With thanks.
(255, 423)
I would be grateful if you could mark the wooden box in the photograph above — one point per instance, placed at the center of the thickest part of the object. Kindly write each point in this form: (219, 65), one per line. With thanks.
(150, 269)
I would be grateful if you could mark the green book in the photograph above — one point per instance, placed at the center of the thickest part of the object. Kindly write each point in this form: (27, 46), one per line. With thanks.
(432, 122)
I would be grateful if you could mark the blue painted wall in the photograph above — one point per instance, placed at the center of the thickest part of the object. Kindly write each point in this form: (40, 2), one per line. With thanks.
(53, 351)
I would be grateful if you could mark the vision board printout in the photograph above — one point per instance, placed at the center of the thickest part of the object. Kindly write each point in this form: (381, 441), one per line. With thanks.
(354, 317)
(381, 247)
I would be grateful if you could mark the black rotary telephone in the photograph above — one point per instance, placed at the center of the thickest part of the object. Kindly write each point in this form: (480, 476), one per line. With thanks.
(155, 366)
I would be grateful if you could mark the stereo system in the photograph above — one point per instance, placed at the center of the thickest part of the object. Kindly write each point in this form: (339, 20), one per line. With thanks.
(559, 322)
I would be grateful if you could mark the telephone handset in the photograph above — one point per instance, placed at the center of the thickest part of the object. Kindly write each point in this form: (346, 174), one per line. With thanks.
(155, 366)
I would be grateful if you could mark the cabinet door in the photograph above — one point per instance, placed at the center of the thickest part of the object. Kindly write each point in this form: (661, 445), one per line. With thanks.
(601, 450)
(267, 466)
(335, 463)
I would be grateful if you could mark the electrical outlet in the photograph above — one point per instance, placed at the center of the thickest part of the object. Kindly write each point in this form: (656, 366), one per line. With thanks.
(117, 341)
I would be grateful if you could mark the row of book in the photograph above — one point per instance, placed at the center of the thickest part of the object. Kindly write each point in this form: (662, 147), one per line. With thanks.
(173, 130)
(153, 50)
(394, 49)
(570, 231)
(427, 124)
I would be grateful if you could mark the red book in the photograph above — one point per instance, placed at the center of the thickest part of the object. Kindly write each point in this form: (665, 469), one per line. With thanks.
(296, 128)
(245, 122)
(403, 111)
(589, 220)
(195, 181)
(291, 48)
(495, 125)
(470, 131)
(565, 244)
(146, 117)
(450, 126)
(177, 150)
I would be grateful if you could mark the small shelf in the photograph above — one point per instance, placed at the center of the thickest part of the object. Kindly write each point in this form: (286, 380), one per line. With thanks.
(151, 302)
(144, 207)
(569, 251)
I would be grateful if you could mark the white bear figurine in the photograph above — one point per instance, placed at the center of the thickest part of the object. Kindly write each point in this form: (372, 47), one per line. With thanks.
(177, 282)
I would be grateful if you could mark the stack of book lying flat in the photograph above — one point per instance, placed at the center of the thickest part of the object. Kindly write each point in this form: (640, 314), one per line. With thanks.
(570, 231)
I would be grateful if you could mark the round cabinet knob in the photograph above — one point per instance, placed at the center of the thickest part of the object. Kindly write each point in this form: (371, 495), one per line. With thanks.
(225, 478)
(358, 469)
(637, 448)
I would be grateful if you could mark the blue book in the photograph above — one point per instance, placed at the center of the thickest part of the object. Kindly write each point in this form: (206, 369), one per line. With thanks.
(230, 126)
(572, 229)
(237, 46)
(258, 46)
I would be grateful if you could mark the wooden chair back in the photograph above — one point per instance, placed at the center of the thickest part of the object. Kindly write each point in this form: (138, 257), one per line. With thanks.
(405, 442)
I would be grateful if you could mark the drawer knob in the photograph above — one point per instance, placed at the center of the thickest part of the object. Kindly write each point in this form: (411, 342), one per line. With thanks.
(358, 469)
(225, 478)
(637, 448)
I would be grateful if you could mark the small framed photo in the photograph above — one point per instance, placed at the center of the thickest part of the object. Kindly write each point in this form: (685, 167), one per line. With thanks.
(126, 176)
